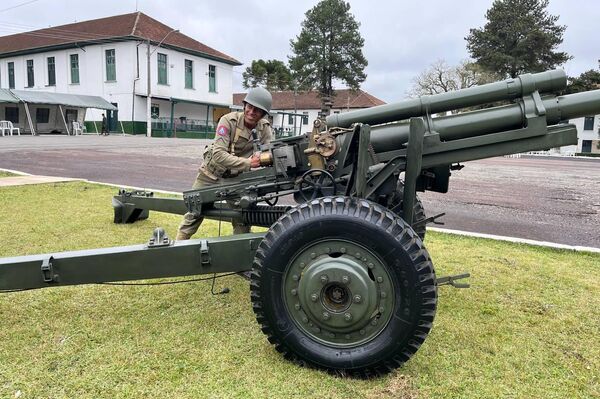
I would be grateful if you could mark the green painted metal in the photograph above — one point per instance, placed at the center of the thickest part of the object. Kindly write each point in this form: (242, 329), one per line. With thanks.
(543, 82)
(340, 291)
(476, 123)
(334, 299)
(177, 258)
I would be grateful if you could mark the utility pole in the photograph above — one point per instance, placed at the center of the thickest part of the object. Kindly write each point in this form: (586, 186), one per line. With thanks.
(149, 90)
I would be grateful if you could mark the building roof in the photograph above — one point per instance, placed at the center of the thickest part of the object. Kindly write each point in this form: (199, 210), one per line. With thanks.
(310, 100)
(50, 98)
(131, 26)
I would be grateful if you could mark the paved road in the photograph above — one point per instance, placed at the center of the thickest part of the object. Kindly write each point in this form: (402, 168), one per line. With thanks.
(547, 199)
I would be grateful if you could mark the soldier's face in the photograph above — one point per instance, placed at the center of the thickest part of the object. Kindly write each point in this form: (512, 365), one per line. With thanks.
(252, 115)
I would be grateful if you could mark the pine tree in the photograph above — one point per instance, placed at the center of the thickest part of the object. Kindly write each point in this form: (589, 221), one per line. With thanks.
(519, 36)
(329, 47)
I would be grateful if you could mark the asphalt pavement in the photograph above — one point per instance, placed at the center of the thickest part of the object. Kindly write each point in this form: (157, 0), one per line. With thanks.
(549, 199)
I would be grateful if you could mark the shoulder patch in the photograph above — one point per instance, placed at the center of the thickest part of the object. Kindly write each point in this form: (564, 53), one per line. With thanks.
(222, 131)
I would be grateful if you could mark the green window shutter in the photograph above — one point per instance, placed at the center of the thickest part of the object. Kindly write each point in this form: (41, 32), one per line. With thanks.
(212, 78)
(189, 74)
(30, 76)
(162, 68)
(74, 59)
(111, 67)
(11, 75)
(51, 71)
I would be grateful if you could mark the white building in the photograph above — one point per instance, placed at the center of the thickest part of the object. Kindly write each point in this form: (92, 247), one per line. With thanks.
(588, 136)
(190, 83)
(294, 113)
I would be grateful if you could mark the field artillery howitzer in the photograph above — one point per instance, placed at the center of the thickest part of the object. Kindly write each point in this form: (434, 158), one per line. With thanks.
(341, 279)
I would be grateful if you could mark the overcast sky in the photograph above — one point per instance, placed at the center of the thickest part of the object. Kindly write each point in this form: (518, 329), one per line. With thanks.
(402, 37)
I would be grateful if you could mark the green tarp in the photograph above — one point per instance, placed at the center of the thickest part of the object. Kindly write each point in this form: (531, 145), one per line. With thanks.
(71, 100)
(7, 97)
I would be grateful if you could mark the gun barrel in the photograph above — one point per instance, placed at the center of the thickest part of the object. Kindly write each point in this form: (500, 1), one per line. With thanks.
(475, 123)
(544, 82)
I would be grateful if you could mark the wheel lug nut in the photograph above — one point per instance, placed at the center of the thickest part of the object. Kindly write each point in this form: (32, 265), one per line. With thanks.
(294, 292)
(370, 265)
(324, 279)
(325, 316)
(380, 279)
(305, 319)
(383, 294)
(313, 255)
(327, 250)
(362, 332)
(345, 279)
(302, 265)
(343, 250)
(297, 306)
(374, 322)
(348, 316)
(314, 297)
(357, 255)
(295, 277)
(357, 298)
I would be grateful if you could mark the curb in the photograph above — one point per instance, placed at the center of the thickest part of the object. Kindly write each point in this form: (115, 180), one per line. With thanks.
(546, 244)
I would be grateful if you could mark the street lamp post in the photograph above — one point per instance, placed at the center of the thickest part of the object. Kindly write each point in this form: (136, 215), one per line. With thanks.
(149, 90)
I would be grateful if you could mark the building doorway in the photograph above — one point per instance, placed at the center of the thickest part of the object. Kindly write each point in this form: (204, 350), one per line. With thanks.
(112, 119)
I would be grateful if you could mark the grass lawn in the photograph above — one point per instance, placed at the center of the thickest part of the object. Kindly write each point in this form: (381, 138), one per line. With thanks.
(6, 174)
(528, 328)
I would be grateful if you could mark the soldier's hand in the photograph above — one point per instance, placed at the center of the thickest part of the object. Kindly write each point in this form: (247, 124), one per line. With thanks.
(255, 160)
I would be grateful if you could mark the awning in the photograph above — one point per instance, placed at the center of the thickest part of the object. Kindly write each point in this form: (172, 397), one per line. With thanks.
(70, 100)
(7, 97)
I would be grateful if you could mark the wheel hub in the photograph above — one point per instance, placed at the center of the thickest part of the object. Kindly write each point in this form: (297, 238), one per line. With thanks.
(339, 293)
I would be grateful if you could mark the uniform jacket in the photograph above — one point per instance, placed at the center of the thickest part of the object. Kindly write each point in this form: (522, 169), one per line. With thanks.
(228, 154)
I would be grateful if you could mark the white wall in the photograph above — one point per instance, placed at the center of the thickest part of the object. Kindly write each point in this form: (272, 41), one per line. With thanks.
(130, 56)
(593, 135)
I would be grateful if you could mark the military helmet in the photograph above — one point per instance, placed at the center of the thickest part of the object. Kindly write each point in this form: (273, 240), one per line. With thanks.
(260, 98)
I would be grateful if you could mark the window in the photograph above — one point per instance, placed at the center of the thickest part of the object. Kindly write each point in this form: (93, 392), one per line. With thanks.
(42, 115)
(305, 118)
(586, 146)
(189, 74)
(74, 61)
(212, 78)
(154, 111)
(30, 81)
(11, 114)
(588, 123)
(51, 71)
(290, 119)
(162, 68)
(11, 75)
(111, 67)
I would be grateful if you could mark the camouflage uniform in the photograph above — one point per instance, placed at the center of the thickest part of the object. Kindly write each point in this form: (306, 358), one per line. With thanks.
(227, 156)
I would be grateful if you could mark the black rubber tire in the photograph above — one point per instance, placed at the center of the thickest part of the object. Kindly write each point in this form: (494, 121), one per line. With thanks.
(387, 237)
(395, 205)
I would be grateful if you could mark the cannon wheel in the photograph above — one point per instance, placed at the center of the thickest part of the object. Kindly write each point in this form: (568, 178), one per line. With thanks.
(395, 205)
(345, 285)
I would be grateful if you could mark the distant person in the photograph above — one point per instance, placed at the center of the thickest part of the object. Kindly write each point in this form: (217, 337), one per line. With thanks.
(232, 153)
(104, 130)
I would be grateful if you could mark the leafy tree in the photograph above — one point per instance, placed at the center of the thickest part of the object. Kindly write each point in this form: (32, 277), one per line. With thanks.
(519, 36)
(589, 80)
(441, 77)
(270, 74)
(329, 47)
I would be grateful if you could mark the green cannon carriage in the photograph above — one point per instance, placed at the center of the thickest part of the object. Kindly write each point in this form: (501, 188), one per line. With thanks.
(342, 279)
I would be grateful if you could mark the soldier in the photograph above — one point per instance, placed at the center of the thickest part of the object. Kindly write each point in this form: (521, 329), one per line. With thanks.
(231, 152)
